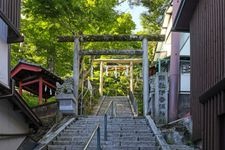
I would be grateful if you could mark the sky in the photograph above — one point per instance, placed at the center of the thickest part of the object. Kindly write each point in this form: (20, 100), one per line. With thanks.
(135, 12)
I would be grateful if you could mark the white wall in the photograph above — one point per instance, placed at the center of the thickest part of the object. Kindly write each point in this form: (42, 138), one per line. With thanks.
(185, 82)
(184, 44)
(184, 51)
(11, 122)
(4, 53)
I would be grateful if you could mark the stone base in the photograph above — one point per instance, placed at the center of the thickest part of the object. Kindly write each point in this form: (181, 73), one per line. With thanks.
(67, 104)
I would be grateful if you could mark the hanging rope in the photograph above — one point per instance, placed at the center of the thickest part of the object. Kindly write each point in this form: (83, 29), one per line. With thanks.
(50, 91)
(127, 70)
(45, 88)
(115, 72)
(106, 71)
(90, 87)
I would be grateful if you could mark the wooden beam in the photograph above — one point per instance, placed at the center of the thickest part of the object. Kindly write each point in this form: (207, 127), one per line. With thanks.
(40, 91)
(122, 61)
(30, 82)
(111, 52)
(29, 78)
(117, 66)
(49, 84)
(111, 38)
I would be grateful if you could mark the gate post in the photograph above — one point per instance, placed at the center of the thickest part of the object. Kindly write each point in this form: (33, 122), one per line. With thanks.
(145, 75)
(131, 77)
(101, 79)
(76, 63)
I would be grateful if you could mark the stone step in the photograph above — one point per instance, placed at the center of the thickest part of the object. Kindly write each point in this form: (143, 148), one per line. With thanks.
(133, 132)
(68, 142)
(181, 147)
(129, 134)
(104, 147)
(133, 138)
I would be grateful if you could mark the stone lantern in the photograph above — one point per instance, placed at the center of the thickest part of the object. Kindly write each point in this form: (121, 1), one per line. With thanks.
(67, 101)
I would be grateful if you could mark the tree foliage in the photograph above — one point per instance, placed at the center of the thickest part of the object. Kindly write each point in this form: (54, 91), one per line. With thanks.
(152, 19)
(43, 21)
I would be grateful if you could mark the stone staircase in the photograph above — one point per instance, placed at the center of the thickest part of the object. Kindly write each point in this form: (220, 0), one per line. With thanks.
(121, 104)
(124, 132)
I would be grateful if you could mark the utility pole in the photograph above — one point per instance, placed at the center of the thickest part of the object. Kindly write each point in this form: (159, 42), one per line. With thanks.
(174, 72)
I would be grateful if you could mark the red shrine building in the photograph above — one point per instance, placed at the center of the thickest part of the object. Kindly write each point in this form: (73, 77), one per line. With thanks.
(36, 80)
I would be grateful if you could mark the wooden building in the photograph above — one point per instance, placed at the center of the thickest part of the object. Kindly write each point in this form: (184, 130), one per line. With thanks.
(17, 121)
(35, 79)
(205, 20)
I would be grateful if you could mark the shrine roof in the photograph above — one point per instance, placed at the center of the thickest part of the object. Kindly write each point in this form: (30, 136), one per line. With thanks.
(25, 71)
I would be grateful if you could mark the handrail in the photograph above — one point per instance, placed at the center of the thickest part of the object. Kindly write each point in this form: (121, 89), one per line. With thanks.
(97, 129)
(107, 109)
(105, 118)
(99, 106)
(15, 134)
(134, 105)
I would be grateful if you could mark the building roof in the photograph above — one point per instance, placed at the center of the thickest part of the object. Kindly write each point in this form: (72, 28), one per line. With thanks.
(10, 13)
(28, 72)
(20, 105)
(184, 15)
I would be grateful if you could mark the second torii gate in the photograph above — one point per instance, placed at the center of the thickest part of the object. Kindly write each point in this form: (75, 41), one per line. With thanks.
(120, 61)
(113, 38)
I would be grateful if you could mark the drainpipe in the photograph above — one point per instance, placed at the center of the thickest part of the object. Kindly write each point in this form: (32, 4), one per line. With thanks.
(174, 69)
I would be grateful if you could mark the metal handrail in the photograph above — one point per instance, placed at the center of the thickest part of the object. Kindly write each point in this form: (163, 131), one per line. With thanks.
(102, 99)
(107, 109)
(133, 103)
(105, 118)
(15, 134)
(97, 129)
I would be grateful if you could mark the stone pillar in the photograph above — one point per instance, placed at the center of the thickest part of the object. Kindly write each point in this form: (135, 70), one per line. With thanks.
(101, 79)
(145, 75)
(76, 64)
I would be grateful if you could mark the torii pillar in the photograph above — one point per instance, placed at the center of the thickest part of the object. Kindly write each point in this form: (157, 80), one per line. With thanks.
(131, 77)
(76, 67)
(145, 75)
(101, 79)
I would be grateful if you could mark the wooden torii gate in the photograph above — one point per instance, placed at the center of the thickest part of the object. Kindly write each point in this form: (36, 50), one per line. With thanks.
(112, 38)
(121, 61)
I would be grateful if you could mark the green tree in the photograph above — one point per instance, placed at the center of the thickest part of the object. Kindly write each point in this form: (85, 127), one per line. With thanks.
(152, 19)
(42, 21)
